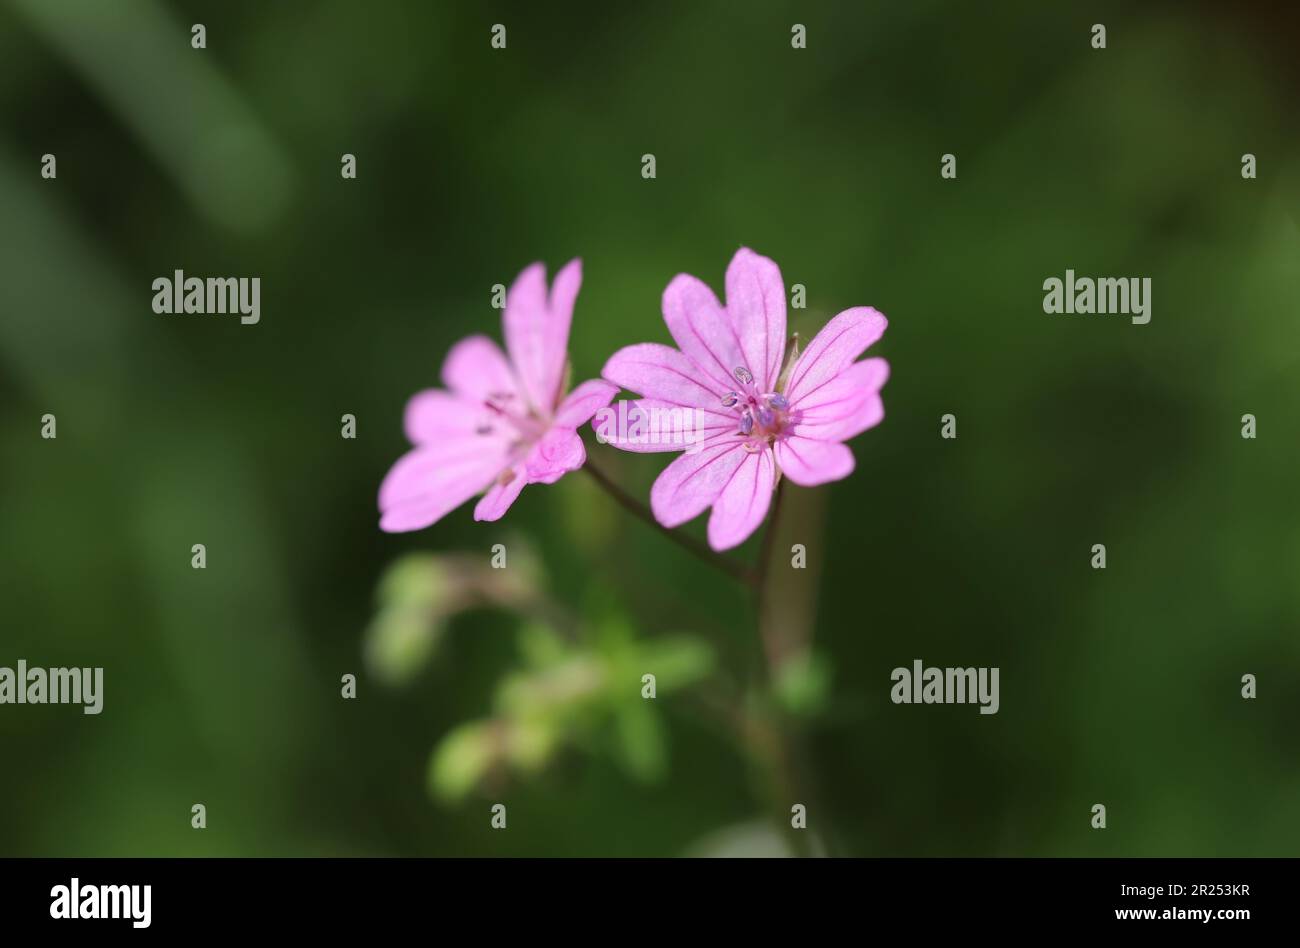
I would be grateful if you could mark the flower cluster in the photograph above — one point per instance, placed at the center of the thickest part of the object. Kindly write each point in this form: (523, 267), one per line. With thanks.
(756, 412)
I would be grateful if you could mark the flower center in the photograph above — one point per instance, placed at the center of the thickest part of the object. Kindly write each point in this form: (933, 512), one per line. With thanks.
(504, 408)
(762, 415)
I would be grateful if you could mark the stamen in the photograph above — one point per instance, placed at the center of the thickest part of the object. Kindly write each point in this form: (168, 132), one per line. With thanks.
(743, 375)
(766, 417)
(746, 423)
(505, 407)
(730, 399)
(777, 401)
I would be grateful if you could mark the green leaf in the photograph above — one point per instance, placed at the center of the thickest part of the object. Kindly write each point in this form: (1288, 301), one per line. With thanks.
(556, 690)
(540, 646)
(642, 742)
(676, 662)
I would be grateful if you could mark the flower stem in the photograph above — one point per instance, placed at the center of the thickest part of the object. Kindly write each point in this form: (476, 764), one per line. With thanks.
(779, 751)
(759, 728)
(771, 647)
(736, 571)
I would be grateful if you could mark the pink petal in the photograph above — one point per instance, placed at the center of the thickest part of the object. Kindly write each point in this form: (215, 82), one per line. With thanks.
(756, 302)
(744, 500)
(537, 332)
(841, 341)
(809, 463)
(559, 452)
(499, 497)
(428, 468)
(523, 323)
(845, 406)
(426, 484)
(663, 373)
(692, 482)
(434, 414)
(703, 330)
(564, 294)
(647, 426)
(583, 402)
(476, 368)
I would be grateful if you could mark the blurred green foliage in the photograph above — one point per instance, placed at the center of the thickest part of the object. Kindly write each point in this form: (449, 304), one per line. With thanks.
(595, 697)
(572, 687)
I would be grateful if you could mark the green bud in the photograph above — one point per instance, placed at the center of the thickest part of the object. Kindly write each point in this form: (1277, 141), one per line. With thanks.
(418, 579)
(531, 742)
(462, 758)
(400, 641)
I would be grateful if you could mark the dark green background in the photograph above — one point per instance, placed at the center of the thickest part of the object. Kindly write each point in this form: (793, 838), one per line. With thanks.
(1120, 687)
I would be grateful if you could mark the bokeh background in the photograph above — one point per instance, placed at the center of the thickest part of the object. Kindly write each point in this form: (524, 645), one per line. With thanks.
(222, 686)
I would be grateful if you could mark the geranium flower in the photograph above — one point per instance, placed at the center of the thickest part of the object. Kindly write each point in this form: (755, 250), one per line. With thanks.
(501, 422)
(755, 420)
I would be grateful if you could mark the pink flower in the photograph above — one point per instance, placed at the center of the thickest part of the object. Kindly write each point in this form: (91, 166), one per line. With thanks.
(499, 423)
(753, 417)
